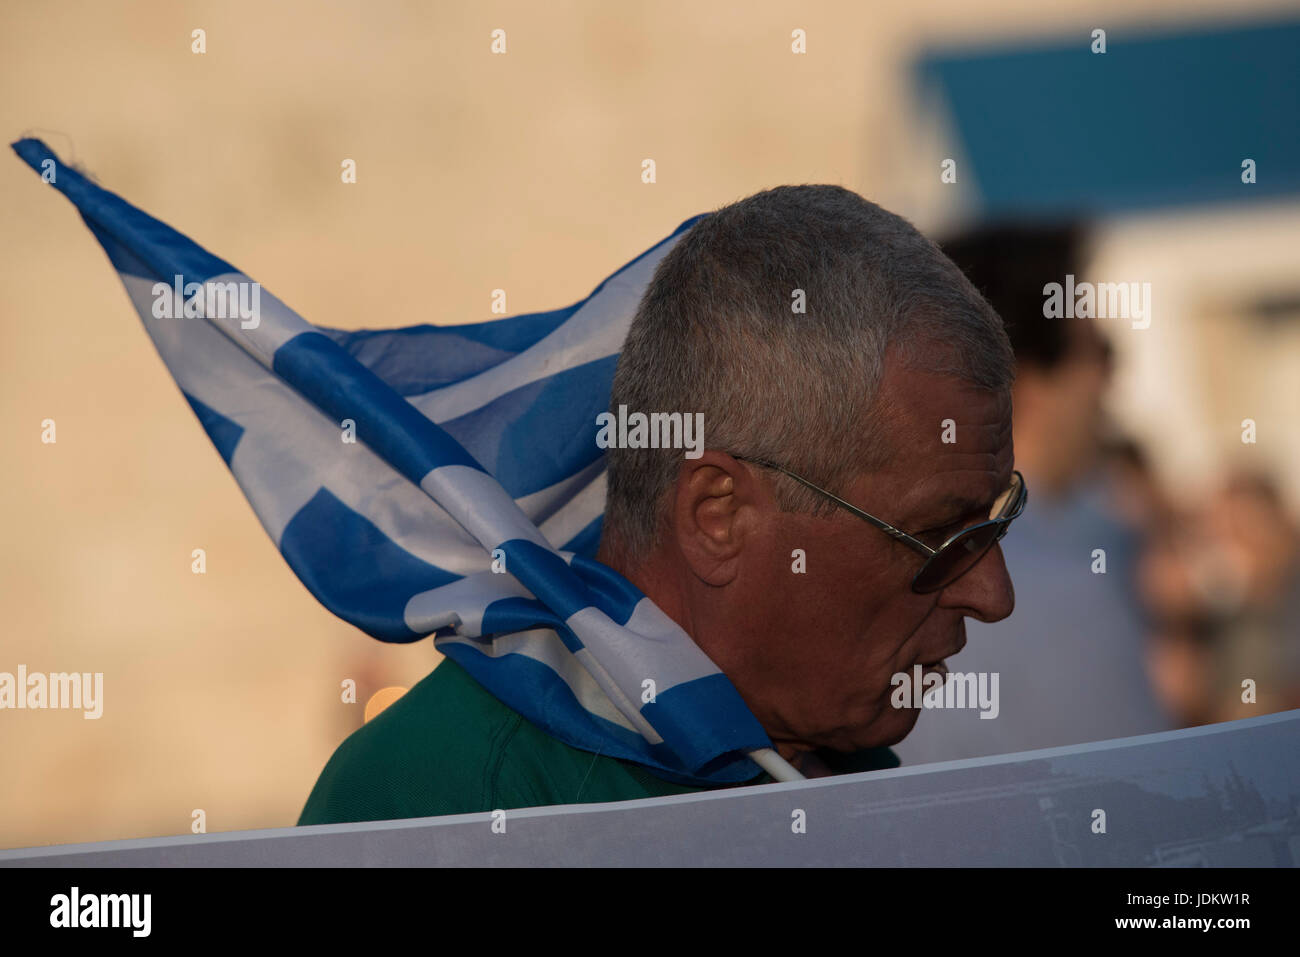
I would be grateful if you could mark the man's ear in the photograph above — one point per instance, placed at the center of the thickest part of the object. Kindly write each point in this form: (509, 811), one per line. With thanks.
(716, 504)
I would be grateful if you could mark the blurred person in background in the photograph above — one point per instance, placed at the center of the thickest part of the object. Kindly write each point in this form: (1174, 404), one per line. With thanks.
(1262, 637)
(1072, 658)
(1180, 597)
(1223, 586)
(1136, 493)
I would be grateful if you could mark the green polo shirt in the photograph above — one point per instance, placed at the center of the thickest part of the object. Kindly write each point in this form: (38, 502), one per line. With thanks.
(447, 746)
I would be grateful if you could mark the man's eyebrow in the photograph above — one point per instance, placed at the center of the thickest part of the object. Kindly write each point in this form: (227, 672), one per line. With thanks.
(952, 508)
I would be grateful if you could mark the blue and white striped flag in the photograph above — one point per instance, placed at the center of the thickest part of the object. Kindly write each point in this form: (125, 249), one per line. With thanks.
(471, 440)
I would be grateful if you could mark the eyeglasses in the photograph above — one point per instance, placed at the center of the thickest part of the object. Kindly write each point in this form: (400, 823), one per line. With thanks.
(959, 553)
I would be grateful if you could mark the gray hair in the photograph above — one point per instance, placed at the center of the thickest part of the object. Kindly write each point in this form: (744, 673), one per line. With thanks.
(716, 333)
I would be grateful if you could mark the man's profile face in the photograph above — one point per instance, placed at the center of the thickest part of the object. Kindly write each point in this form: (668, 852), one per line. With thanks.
(818, 670)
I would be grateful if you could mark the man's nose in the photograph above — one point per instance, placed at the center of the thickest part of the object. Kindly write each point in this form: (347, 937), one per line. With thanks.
(984, 593)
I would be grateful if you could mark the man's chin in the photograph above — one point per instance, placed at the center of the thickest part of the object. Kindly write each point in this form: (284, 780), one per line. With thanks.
(904, 722)
(887, 730)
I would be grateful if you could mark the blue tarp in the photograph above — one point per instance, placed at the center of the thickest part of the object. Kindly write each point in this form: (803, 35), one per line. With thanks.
(1158, 120)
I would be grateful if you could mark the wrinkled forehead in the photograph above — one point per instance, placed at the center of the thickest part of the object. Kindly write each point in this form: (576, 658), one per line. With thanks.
(940, 413)
(950, 440)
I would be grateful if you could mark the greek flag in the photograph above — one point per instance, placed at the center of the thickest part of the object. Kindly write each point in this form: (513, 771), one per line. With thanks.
(469, 505)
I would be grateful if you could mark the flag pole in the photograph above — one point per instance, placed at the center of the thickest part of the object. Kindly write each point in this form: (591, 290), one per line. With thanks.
(775, 765)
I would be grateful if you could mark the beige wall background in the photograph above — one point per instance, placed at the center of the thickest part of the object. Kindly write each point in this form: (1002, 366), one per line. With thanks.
(474, 172)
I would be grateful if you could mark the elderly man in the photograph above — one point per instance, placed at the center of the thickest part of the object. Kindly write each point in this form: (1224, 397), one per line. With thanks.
(837, 530)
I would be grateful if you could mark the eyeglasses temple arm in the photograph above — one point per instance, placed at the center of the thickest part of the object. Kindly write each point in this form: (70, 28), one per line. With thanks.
(885, 527)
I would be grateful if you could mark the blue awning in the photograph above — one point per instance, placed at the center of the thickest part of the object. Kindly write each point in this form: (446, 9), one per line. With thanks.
(1158, 120)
